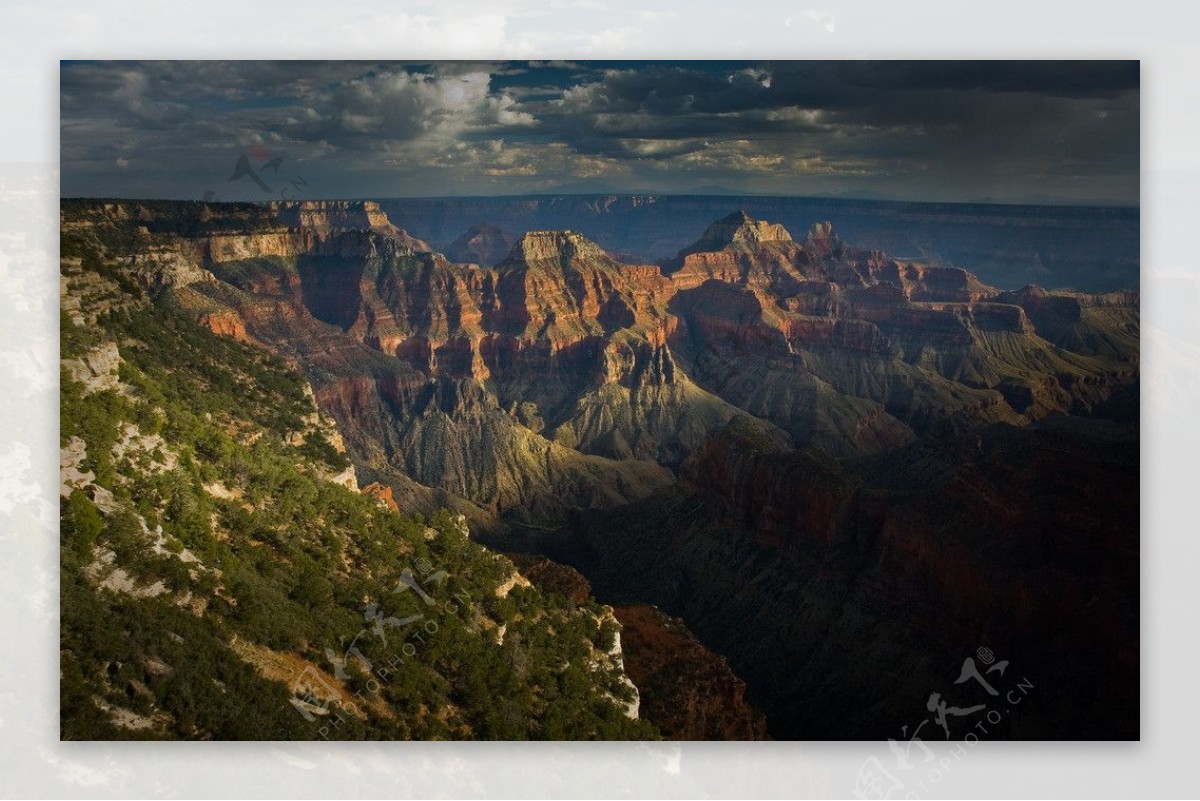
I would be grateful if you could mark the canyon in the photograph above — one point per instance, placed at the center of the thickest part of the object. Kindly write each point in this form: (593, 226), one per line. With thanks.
(818, 475)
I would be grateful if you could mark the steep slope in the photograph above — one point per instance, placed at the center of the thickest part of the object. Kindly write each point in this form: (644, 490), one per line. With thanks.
(689, 692)
(684, 689)
(222, 578)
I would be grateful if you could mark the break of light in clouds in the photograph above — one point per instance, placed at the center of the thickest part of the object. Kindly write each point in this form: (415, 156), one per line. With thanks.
(1018, 131)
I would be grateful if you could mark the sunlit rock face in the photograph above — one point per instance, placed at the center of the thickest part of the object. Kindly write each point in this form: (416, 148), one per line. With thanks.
(330, 216)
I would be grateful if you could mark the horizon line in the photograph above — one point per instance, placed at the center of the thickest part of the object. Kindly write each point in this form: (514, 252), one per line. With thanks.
(732, 195)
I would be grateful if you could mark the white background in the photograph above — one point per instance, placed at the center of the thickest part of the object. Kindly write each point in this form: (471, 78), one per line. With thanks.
(35, 36)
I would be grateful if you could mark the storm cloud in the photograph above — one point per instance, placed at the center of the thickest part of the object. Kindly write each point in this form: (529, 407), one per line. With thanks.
(1021, 131)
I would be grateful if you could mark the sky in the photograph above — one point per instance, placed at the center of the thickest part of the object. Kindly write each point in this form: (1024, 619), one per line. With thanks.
(1010, 131)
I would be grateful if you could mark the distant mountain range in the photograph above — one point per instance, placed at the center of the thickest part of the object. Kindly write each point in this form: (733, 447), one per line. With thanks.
(1090, 249)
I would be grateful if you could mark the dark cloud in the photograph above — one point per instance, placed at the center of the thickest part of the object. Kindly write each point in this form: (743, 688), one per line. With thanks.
(1011, 131)
(1055, 78)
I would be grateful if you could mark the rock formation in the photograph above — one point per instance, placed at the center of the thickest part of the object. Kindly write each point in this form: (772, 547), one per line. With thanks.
(685, 690)
(331, 216)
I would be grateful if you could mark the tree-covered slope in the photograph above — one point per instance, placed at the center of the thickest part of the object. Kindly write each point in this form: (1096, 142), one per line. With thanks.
(222, 577)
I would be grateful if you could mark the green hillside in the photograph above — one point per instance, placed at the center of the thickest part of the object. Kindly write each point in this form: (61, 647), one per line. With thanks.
(220, 580)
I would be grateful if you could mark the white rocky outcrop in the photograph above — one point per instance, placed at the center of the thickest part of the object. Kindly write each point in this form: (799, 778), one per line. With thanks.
(149, 449)
(96, 369)
(617, 655)
(70, 460)
(168, 267)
